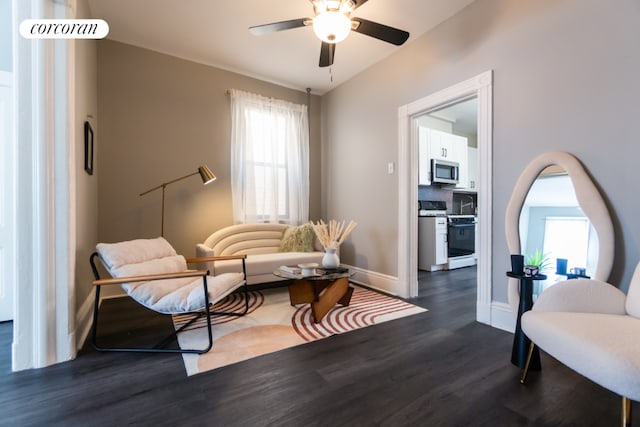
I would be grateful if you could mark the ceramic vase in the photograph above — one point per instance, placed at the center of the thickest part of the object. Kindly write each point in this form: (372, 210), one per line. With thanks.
(330, 259)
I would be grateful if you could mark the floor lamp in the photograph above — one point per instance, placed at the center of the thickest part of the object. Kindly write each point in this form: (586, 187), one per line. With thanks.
(206, 175)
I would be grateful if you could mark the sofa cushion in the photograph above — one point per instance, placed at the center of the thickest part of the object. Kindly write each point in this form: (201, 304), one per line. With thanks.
(246, 238)
(260, 264)
(602, 347)
(297, 239)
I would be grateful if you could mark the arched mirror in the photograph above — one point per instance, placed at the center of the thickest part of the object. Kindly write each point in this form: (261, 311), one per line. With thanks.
(557, 210)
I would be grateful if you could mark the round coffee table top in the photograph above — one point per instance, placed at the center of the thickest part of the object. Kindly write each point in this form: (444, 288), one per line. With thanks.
(321, 273)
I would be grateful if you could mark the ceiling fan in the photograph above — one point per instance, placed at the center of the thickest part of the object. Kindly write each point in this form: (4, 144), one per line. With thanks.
(332, 23)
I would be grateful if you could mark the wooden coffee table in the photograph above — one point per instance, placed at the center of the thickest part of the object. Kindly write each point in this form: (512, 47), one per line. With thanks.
(321, 291)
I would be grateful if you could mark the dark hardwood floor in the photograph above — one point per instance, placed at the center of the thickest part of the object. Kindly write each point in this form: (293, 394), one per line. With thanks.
(438, 368)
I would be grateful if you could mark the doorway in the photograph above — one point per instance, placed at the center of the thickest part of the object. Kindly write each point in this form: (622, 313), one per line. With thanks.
(479, 87)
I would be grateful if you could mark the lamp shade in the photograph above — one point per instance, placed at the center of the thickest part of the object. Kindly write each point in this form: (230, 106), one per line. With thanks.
(206, 174)
(332, 26)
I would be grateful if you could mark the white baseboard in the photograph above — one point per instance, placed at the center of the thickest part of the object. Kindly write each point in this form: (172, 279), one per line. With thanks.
(84, 318)
(502, 316)
(375, 280)
(483, 313)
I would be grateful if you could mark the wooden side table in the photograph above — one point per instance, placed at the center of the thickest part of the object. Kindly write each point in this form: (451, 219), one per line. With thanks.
(521, 342)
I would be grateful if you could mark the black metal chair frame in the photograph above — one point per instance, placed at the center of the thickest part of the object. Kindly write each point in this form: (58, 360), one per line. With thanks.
(158, 348)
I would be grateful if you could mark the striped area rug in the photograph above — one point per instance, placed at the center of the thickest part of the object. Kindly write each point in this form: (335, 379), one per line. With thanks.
(272, 324)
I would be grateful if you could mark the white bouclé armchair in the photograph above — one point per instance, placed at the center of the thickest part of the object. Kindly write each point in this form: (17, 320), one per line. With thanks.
(593, 328)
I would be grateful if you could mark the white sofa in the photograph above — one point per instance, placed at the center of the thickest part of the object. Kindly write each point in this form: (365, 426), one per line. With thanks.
(261, 243)
(593, 328)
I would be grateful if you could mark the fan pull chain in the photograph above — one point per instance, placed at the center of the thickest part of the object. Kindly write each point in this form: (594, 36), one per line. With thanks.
(331, 74)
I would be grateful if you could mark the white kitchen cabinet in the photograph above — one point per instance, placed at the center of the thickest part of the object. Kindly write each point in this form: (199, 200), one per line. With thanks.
(424, 160)
(432, 243)
(435, 144)
(461, 156)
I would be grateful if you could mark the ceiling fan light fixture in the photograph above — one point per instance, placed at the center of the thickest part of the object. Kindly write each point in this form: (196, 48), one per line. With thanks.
(331, 26)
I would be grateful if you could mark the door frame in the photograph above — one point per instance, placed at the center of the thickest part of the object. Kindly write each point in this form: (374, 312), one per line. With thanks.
(480, 86)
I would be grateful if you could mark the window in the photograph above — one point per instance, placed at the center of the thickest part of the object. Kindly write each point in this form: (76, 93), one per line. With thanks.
(269, 160)
(567, 237)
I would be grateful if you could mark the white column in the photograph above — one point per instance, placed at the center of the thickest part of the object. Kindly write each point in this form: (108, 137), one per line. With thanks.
(45, 239)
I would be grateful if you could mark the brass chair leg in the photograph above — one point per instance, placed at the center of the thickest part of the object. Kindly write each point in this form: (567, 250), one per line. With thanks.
(626, 412)
(526, 365)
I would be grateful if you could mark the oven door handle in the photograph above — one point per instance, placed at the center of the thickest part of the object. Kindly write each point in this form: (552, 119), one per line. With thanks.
(462, 225)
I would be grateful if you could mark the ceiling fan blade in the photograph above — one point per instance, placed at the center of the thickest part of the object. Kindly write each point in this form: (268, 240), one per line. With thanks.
(327, 52)
(358, 3)
(259, 30)
(380, 32)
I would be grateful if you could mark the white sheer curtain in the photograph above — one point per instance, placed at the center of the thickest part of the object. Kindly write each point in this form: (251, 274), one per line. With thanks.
(269, 159)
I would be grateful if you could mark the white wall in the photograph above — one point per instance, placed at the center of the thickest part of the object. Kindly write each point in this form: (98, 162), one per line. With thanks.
(565, 78)
(6, 62)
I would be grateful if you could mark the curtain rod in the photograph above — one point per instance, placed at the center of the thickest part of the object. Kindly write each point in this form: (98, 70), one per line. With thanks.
(308, 90)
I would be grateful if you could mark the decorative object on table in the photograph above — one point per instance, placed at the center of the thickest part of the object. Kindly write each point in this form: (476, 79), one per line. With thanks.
(536, 264)
(206, 175)
(88, 148)
(331, 236)
(578, 271)
(530, 270)
(517, 263)
(308, 269)
(291, 269)
(272, 324)
(561, 266)
(330, 259)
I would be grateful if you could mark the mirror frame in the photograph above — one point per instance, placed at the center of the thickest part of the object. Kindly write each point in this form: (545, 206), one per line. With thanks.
(590, 201)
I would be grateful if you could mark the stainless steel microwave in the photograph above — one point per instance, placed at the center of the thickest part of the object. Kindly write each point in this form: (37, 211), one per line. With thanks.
(444, 172)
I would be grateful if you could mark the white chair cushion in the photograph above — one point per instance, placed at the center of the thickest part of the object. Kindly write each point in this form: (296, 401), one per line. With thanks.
(156, 256)
(183, 295)
(114, 255)
(602, 347)
(583, 296)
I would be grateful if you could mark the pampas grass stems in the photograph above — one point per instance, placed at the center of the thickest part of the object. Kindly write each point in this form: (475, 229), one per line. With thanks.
(333, 234)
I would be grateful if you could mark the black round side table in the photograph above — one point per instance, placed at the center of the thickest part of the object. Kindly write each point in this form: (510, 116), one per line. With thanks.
(521, 342)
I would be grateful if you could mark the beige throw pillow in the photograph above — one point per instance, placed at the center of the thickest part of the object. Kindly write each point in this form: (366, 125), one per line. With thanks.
(297, 239)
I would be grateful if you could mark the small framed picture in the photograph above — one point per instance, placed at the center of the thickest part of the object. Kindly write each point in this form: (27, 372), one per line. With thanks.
(88, 148)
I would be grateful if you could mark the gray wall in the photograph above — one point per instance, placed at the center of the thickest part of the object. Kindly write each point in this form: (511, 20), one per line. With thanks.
(160, 118)
(86, 104)
(565, 78)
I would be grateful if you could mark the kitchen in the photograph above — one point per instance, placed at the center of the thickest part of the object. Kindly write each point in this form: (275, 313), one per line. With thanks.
(447, 187)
